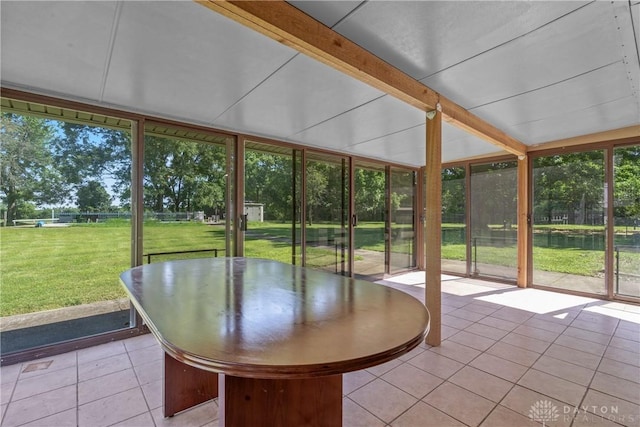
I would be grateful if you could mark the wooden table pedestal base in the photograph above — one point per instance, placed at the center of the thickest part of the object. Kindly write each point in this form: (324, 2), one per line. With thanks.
(255, 402)
(186, 386)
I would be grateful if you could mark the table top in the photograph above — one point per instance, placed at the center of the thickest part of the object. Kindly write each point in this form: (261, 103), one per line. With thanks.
(265, 319)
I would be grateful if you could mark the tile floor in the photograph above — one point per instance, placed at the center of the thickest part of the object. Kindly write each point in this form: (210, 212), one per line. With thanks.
(509, 357)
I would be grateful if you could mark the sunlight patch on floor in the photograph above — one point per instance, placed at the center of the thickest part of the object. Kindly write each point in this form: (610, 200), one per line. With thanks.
(614, 312)
(537, 301)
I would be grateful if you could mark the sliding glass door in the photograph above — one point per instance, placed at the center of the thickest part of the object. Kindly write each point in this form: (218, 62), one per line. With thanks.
(327, 211)
(494, 219)
(369, 222)
(402, 224)
(185, 184)
(626, 212)
(272, 203)
(569, 221)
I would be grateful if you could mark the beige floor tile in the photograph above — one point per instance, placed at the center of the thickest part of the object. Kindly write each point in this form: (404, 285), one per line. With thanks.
(100, 367)
(436, 364)
(463, 313)
(481, 383)
(610, 407)
(354, 380)
(50, 364)
(472, 340)
(61, 419)
(618, 387)
(142, 420)
(141, 341)
(504, 417)
(565, 370)
(545, 325)
(602, 328)
(43, 383)
(422, 414)
(632, 326)
(482, 307)
(585, 335)
(379, 370)
(40, 406)
(9, 374)
(106, 385)
(582, 345)
(627, 334)
(383, 400)
(459, 403)
(6, 390)
(527, 343)
(574, 356)
(522, 401)
(455, 322)
(197, 416)
(499, 367)
(512, 315)
(537, 333)
(112, 409)
(149, 372)
(455, 351)
(553, 386)
(146, 355)
(353, 415)
(100, 352)
(619, 369)
(486, 331)
(414, 381)
(623, 356)
(513, 353)
(497, 323)
(625, 344)
(153, 394)
(447, 331)
(598, 318)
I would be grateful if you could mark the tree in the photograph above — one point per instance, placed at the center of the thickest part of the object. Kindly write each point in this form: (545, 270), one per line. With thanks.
(626, 191)
(92, 197)
(183, 176)
(26, 169)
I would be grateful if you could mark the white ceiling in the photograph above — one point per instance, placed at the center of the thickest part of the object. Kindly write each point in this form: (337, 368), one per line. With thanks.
(539, 70)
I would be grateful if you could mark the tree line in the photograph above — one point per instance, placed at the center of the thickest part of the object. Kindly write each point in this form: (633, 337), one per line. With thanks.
(47, 163)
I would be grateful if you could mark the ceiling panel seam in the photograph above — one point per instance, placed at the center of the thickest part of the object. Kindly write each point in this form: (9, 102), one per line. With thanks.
(387, 135)
(255, 87)
(504, 43)
(350, 13)
(337, 115)
(112, 42)
(590, 107)
(544, 87)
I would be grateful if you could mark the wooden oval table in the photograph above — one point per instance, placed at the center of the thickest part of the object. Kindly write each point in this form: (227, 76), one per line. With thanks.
(282, 335)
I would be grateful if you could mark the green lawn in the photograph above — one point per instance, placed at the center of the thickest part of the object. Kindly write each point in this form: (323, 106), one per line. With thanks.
(52, 267)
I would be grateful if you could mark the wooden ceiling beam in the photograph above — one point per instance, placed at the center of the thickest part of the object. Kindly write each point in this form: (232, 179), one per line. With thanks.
(288, 25)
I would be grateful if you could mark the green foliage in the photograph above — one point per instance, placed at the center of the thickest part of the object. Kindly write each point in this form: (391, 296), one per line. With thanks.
(181, 176)
(92, 197)
(27, 175)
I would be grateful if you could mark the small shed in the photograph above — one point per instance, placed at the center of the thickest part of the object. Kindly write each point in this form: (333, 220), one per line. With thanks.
(254, 211)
